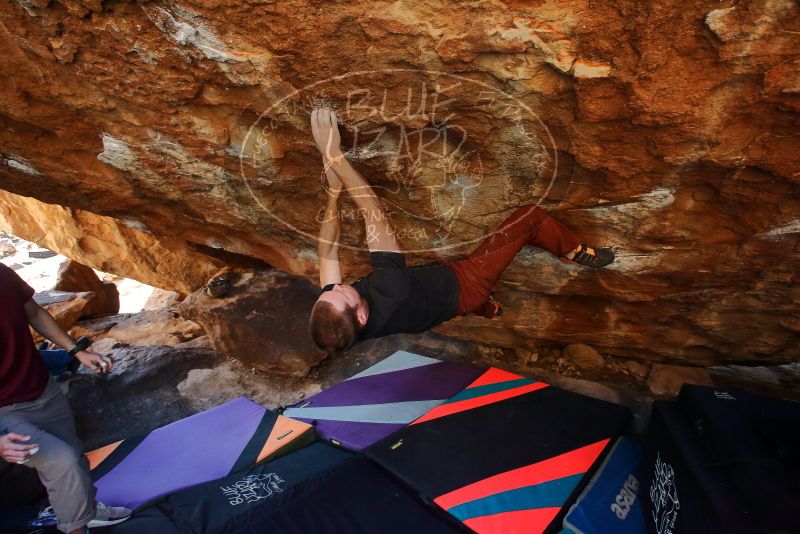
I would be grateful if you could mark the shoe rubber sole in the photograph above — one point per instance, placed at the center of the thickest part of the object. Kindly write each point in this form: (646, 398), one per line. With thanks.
(94, 523)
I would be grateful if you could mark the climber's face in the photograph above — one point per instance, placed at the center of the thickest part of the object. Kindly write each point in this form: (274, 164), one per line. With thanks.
(343, 297)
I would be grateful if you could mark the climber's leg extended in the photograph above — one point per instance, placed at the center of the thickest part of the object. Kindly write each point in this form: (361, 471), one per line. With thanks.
(528, 225)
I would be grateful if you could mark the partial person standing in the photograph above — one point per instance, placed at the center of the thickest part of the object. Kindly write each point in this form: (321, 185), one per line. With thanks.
(37, 428)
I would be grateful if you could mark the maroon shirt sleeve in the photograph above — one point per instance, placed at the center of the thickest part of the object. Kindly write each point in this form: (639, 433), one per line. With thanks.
(24, 291)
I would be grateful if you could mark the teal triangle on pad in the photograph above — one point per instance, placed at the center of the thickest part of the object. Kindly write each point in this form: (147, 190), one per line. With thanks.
(550, 494)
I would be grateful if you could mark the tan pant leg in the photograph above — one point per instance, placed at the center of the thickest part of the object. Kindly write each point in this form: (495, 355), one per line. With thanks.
(60, 462)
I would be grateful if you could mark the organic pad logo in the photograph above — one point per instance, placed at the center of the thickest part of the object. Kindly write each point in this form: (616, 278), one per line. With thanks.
(664, 497)
(252, 488)
(437, 148)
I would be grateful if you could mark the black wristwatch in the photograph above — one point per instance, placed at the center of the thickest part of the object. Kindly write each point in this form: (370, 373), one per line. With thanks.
(82, 344)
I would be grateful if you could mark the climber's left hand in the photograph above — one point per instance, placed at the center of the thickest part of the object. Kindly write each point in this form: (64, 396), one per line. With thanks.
(325, 128)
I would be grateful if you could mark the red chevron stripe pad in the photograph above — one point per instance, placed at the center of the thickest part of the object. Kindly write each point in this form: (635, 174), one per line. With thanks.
(492, 376)
(570, 463)
(469, 404)
(518, 522)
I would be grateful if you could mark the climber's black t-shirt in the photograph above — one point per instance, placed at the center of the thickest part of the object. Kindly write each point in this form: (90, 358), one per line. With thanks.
(403, 299)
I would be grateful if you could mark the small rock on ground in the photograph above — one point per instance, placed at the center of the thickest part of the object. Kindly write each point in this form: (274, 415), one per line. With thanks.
(637, 369)
(584, 356)
(528, 357)
(668, 379)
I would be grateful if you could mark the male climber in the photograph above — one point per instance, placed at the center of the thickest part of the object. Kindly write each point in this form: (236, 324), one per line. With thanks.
(395, 298)
(36, 424)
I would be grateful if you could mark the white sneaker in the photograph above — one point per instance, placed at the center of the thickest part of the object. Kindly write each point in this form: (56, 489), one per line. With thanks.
(108, 515)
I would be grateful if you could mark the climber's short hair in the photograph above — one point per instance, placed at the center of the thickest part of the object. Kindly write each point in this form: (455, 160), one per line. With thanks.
(333, 330)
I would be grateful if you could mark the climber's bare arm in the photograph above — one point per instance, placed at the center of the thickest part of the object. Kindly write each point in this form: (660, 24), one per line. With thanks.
(329, 271)
(379, 232)
(380, 235)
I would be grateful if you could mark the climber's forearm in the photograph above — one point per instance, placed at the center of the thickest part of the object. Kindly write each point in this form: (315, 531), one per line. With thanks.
(330, 229)
(43, 322)
(380, 235)
(328, 247)
(357, 187)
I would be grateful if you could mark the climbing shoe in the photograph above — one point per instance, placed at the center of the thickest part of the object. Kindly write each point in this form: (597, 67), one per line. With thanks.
(590, 257)
(108, 515)
(490, 309)
(498, 309)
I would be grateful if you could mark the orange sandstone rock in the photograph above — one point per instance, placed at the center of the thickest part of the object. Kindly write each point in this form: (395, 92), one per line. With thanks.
(665, 129)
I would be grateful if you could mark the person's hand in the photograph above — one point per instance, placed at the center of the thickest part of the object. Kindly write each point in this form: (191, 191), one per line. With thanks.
(14, 452)
(95, 362)
(325, 129)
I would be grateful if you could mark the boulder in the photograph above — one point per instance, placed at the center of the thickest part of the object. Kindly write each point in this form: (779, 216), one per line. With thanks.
(154, 327)
(171, 138)
(107, 244)
(208, 387)
(780, 381)
(74, 276)
(261, 321)
(637, 369)
(58, 273)
(666, 380)
(201, 342)
(41, 274)
(161, 298)
(138, 395)
(106, 345)
(584, 356)
(96, 327)
(65, 307)
(146, 328)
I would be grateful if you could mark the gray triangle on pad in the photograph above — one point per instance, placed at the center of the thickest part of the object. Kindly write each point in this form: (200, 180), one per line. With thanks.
(391, 412)
(399, 361)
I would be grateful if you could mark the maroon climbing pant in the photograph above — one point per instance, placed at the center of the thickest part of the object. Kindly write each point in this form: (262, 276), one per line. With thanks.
(477, 274)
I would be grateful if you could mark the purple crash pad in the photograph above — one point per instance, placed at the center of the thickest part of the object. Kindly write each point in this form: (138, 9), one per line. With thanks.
(383, 398)
(203, 447)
